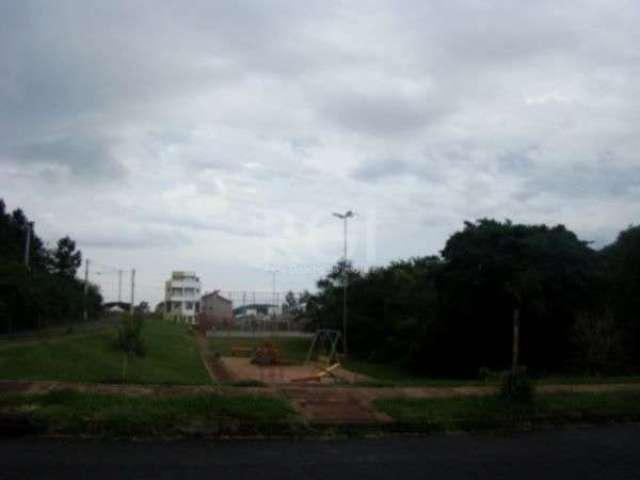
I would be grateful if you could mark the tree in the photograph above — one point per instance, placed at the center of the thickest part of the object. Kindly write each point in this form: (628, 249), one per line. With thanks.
(534, 273)
(65, 259)
(130, 341)
(34, 297)
(291, 303)
(622, 262)
(143, 307)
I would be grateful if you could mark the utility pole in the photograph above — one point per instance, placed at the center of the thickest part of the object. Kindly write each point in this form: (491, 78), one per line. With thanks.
(273, 289)
(120, 286)
(133, 287)
(345, 277)
(27, 244)
(85, 313)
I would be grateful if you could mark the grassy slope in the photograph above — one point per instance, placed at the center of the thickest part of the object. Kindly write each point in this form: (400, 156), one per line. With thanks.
(294, 350)
(86, 413)
(172, 357)
(473, 413)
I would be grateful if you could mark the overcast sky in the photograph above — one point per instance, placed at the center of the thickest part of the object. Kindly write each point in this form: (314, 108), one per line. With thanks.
(219, 136)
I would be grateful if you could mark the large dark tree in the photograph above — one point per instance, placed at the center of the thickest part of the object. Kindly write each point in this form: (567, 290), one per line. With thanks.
(65, 259)
(622, 259)
(499, 273)
(47, 292)
(454, 315)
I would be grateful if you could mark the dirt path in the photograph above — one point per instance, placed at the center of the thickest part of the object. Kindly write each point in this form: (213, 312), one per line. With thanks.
(216, 369)
(328, 405)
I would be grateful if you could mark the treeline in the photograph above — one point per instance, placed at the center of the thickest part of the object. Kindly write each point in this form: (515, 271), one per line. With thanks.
(578, 308)
(48, 292)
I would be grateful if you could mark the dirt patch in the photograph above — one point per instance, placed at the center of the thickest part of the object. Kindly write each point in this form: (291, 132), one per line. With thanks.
(208, 359)
(220, 371)
(335, 405)
(241, 368)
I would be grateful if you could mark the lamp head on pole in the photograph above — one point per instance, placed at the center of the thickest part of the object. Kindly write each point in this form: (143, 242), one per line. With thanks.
(343, 216)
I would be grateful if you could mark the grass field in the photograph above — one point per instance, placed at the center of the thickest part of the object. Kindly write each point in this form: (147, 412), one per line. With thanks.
(293, 349)
(172, 357)
(119, 415)
(474, 413)
(390, 375)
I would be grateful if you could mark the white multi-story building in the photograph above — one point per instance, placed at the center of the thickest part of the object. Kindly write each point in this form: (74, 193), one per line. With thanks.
(182, 297)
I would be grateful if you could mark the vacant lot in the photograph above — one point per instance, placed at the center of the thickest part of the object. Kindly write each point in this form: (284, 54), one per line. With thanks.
(171, 357)
(294, 350)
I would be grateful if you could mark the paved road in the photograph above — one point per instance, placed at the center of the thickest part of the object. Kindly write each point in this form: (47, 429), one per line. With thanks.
(598, 453)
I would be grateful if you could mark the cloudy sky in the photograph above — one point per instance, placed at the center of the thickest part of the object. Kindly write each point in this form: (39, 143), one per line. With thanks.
(219, 136)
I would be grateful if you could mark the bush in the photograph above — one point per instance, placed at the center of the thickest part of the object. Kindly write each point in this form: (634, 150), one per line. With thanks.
(516, 386)
(129, 339)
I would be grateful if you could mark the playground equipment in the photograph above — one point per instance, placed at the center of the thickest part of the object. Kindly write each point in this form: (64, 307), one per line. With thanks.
(324, 349)
(317, 377)
(325, 346)
(267, 354)
(241, 351)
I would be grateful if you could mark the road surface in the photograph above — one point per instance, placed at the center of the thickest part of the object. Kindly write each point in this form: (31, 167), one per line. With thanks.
(611, 452)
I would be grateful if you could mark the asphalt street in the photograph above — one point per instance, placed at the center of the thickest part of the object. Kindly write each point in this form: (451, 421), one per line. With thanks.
(611, 452)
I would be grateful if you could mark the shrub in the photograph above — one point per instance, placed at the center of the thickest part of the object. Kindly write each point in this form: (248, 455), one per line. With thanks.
(130, 341)
(516, 386)
(129, 338)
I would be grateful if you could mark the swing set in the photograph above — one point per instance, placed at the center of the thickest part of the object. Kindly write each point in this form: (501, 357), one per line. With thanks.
(324, 348)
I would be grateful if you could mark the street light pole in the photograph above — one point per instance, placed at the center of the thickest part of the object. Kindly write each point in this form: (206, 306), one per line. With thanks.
(345, 276)
(273, 289)
(27, 245)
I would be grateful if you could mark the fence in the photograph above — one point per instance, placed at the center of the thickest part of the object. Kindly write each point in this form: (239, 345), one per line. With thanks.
(253, 311)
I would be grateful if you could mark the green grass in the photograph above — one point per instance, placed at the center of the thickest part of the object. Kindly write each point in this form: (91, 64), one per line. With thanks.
(391, 375)
(477, 413)
(172, 358)
(99, 414)
(587, 380)
(294, 350)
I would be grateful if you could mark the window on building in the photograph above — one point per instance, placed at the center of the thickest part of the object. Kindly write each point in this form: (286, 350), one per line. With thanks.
(188, 305)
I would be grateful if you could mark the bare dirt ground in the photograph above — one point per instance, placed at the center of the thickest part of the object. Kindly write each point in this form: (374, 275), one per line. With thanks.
(241, 368)
(206, 356)
(335, 405)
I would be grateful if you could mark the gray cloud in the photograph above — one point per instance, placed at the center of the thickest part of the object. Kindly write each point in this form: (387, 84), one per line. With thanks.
(224, 133)
(85, 156)
(373, 171)
(603, 181)
(380, 114)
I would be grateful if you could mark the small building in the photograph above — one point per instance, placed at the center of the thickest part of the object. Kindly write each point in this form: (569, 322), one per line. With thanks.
(116, 308)
(216, 306)
(182, 297)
